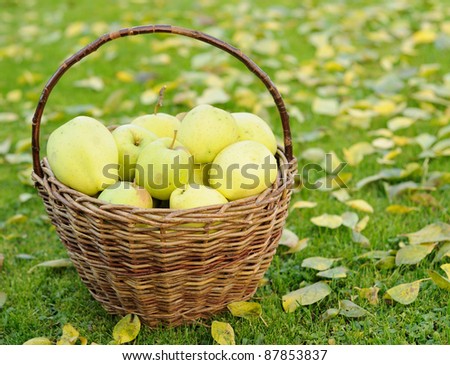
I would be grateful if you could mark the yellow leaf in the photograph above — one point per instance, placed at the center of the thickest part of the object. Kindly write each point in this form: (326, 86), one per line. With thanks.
(362, 224)
(400, 209)
(69, 336)
(410, 255)
(424, 36)
(335, 273)
(383, 143)
(355, 154)
(385, 107)
(38, 341)
(400, 123)
(126, 329)
(288, 238)
(446, 268)
(371, 294)
(327, 220)
(301, 244)
(434, 232)
(125, 76)
(319, 263)
(222, 333)
(349, 309)
(404, 293)
(245, 309)
(359, 204)
(325, 106)
(17, 218)
(303, 204)
(305, 296)
(439, 280)
(74, 29)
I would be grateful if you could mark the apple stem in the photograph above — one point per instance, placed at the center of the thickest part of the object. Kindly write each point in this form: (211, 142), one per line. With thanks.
(159, 103)
(174, 138)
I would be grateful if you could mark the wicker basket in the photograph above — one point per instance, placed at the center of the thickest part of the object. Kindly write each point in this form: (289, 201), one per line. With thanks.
(148, 261)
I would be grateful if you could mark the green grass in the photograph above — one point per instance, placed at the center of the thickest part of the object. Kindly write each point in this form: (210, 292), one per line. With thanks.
(41, 302)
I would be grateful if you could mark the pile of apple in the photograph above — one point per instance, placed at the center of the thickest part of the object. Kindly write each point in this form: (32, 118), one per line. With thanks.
(203, 157)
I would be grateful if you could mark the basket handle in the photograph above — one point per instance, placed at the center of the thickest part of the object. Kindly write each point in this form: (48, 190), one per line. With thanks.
(144, 29)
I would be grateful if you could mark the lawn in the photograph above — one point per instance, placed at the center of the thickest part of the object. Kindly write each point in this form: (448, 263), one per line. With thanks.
(366, 83)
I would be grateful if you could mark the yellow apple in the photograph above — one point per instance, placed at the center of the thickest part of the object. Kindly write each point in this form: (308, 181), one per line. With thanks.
(126, 193)
(206, 130)
(243, 169)
(195, 195)
(252, 127)
(162, 166)
(83, 155)
(130, 140)
(161, 124)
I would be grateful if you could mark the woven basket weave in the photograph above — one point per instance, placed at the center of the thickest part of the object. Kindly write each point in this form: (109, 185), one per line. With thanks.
(151, 262)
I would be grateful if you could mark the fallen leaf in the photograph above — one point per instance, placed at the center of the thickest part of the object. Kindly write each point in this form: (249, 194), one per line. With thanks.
(385, 263)
(359, 204)
(325, 106)
(38, 341)
(288, 238)
(400, 123)
(318, 263)
(362, 224)
(349, 309)
(404, 293)
(424, 36)
(69, 336)
(425, 199)
(339, 272)
(356, 153)
(222, 333)
(305, 296)
(17, 218)
(371, 294)
(341, 195)
(374, 255)
(443, 251)
(329, 313)
(410, 255)
(383, 143)
(446, 268)
(327, 220)
(245, 309)
(94, 83)
(400, 209)
(301, 204)
(358, 237)
(301, 245)
(126, 329)
(2, 259)
(434, 232)
(439, 280)
(52, 263)
(349, 219)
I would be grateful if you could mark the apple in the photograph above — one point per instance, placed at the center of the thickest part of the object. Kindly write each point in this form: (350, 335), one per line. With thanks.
(162, 166)
(127, 193)
(200, 173)
(252, 127)
(161, 124)
(195, 195)
(243, 169)
(130, 140)
(206, 130)
(83, 155)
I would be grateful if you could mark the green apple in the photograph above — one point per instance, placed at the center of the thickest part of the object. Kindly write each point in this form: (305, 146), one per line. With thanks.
(83, 155)
(161, 124)
(195, 195)
(130, 140)
(243, 169)
(162, 166)
(206, 130)
(252, 127)
(127, 193)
